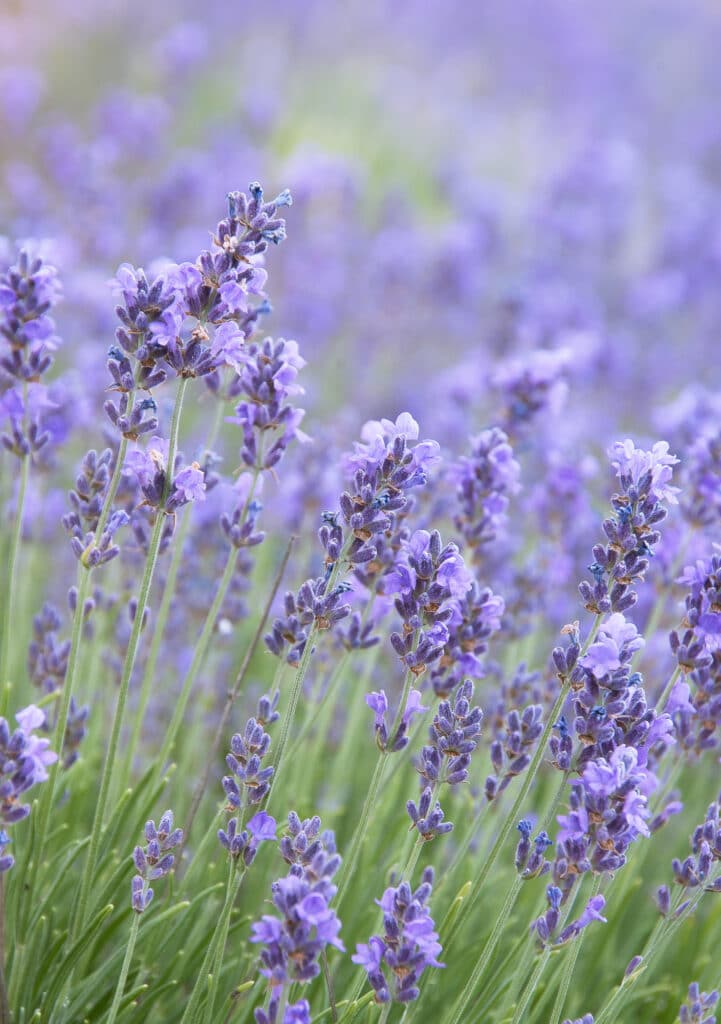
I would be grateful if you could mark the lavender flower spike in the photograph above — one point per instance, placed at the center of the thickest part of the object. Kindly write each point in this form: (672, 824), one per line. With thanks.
(154, 860)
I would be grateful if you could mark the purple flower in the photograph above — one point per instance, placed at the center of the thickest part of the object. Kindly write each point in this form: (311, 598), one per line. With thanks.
(154, 860)
(395, 961)
(633, 465)
(618, 640)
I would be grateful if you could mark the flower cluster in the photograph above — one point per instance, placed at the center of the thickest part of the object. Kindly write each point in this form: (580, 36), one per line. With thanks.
(384, 466)
(484, 481)
(477, 616)
(247, 750)
(294, 941)
(695, 704)
(632, 535)
(429, 580)
(697, 1008)
(29, 288)
(395, 960)
(25, 758)
(546, 927)
(155, 860)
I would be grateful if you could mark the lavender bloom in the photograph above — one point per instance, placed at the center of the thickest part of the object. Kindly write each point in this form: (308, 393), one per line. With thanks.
(701, 495)
(644, 477)
(428, 822)
(530, 863)
(695, 706)
(294, 941)
(705, 851)
(24, 758)
(586, 1019)
(607, 812)
(29, 289)
(484, 481)
(47, 659)
(454, 735)
(151, 470)
(546, 927)
(295, 1013)
(155, 860)
(245, 842)
(311, 854)
(430, 581)
(511, 748)
(247, 751)
(266, 379)
(385, 465)
(530, 385)
(478, 616)
(395, 961)
(378, 703)
(695, 1009)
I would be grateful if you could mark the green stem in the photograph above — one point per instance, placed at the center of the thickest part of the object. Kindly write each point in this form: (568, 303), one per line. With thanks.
(568, 968)
(203, 641)
(12, 581)
(129, 950)
(161, 620)
(356, 843)
(489, 949)
(220, 949)
(233, 694)
(79, 918)
(221, 928)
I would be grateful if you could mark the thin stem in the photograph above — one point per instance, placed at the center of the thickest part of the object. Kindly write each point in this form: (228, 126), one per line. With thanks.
(4, 1004)
(111, 754)
(351, 862)
(488, 950)
(220, 949)
(329, 986)
(203, 641)
(129, 950)
(568, 968)
(233, 693)
(12, 580)
(220, 929)
(161, 619)
(130, 655)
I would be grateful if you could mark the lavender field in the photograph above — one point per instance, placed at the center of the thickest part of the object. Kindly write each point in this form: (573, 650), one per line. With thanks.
(360, 480)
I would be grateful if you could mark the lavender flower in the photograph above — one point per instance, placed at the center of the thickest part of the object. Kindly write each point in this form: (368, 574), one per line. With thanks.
(245, 842)
(645, 486)
(25, 758)
(247, 751)
(311, 854)
(47, 659)
(294, 941)
(395, 961)
(484, 482)
(429, 581)
(151, 471)
(546, 926)
(155, 860)
(696, 1009)
(295, 1013)
(378, 703)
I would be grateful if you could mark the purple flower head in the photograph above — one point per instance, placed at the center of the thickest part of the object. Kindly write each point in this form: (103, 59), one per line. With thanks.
(698, 1007)
(294, 942)
(151, 470)
(154, 860)
(618, 640)
(395, 961)
(633, 466)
